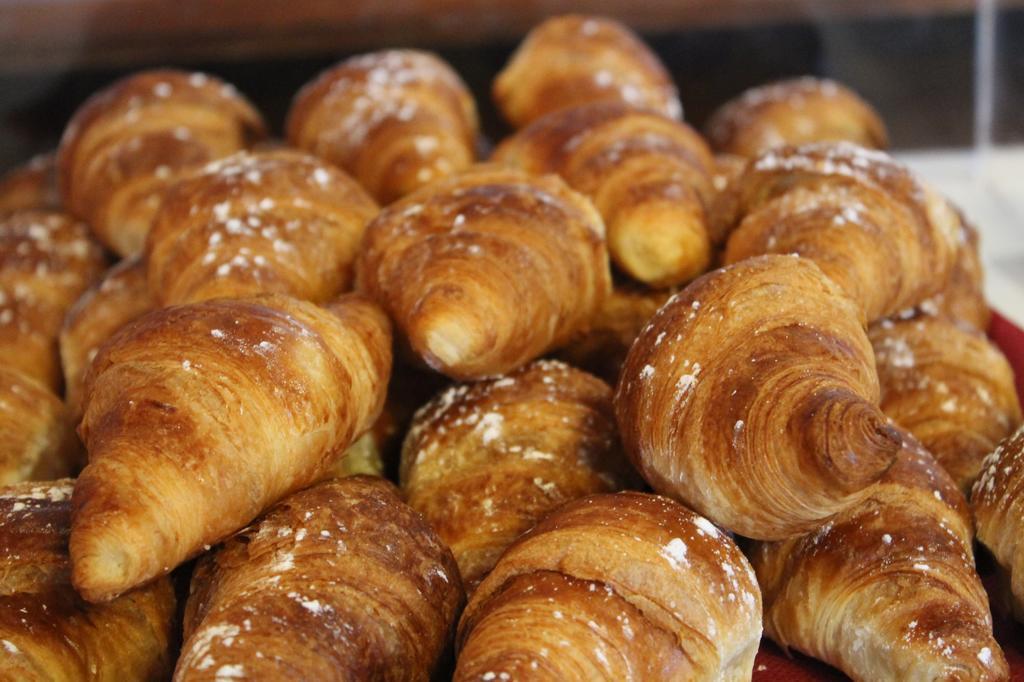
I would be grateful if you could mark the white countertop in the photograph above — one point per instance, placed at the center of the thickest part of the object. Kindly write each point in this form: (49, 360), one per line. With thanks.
(989, 187)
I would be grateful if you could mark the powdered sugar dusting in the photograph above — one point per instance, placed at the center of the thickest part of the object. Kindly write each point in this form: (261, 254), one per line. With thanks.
(675, 552)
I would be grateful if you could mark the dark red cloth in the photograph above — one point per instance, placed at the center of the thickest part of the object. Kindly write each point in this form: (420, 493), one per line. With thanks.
(773, 665)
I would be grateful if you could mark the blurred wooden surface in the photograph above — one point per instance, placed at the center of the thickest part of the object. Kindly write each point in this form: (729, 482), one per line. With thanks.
(56, 34)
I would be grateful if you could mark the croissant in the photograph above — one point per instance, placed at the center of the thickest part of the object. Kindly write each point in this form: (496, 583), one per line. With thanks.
(396, 120)
(949, 386)
(887, 589)
(128, 142)
(37, 435)
(199, 417)
(262, 222)
(570, 60)
(625, 586)
(341, 581)
(32, 185)
(487, 270)
(484, 462)
(752, 397)
(46, 261)
(120, 297)
(723, 211)
(999, 514)
(46, 631)
(649, 176)
(884, 238)
(794, 112)
(963, 298)
(602, 349)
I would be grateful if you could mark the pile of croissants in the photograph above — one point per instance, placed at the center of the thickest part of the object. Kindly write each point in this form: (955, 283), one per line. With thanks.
(613, 462)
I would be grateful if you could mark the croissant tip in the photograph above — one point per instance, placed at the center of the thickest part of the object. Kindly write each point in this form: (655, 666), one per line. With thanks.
(99, 574)
(445, 335)
(661, 247)
(861, 466)
(444, 343)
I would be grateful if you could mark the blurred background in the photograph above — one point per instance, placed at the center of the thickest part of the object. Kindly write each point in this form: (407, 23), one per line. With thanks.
(947, 75)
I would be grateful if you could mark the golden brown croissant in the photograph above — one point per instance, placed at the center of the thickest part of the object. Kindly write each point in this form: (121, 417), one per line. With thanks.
(571, 60)
(794, 112)
(647, 174)
(199, 417)
(487, 270)
(46, 261)
(341, 581)
(120, 297)
(379, 450)
(602, 349)
(884, 238)
(615, 587)
(128, 142)
(263, 222)
(723, 212)
(963, 298)
(396, 120)
(46, 631)
(998, 501)
(752, 397)
(37, 435)
(949, 386)
(484, 462)
(887, 589)
(32, 185)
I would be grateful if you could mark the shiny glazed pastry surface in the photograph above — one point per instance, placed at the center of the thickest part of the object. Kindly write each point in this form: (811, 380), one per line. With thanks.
(752, 396)
(570, 60)
(199, 417)
(887, 589)
(649, 176)
(129, 142)
(258, 222)
(47, 632)
(949, 386)
(484, 462)
(396, 120)
(341, 581)
(614, 587)
(484, 271)
(794, 112)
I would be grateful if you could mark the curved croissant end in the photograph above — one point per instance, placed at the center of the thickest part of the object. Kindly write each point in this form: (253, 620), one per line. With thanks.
(309, 592)
(128, 143)
(396, 120)
(615, 587)
(887, 589)
(199, 417)
(47, 631)
(723, 212)
(484, 462)
(751, 396)
(487, 270)
(37, 435)
(571, 60)
(884, 238)
(258, 222)
(998, 503)
(120, 297)
(963, 297)
(31, 185)
(647, 174)
(46, 261)
(794, 112)
(949, 386)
